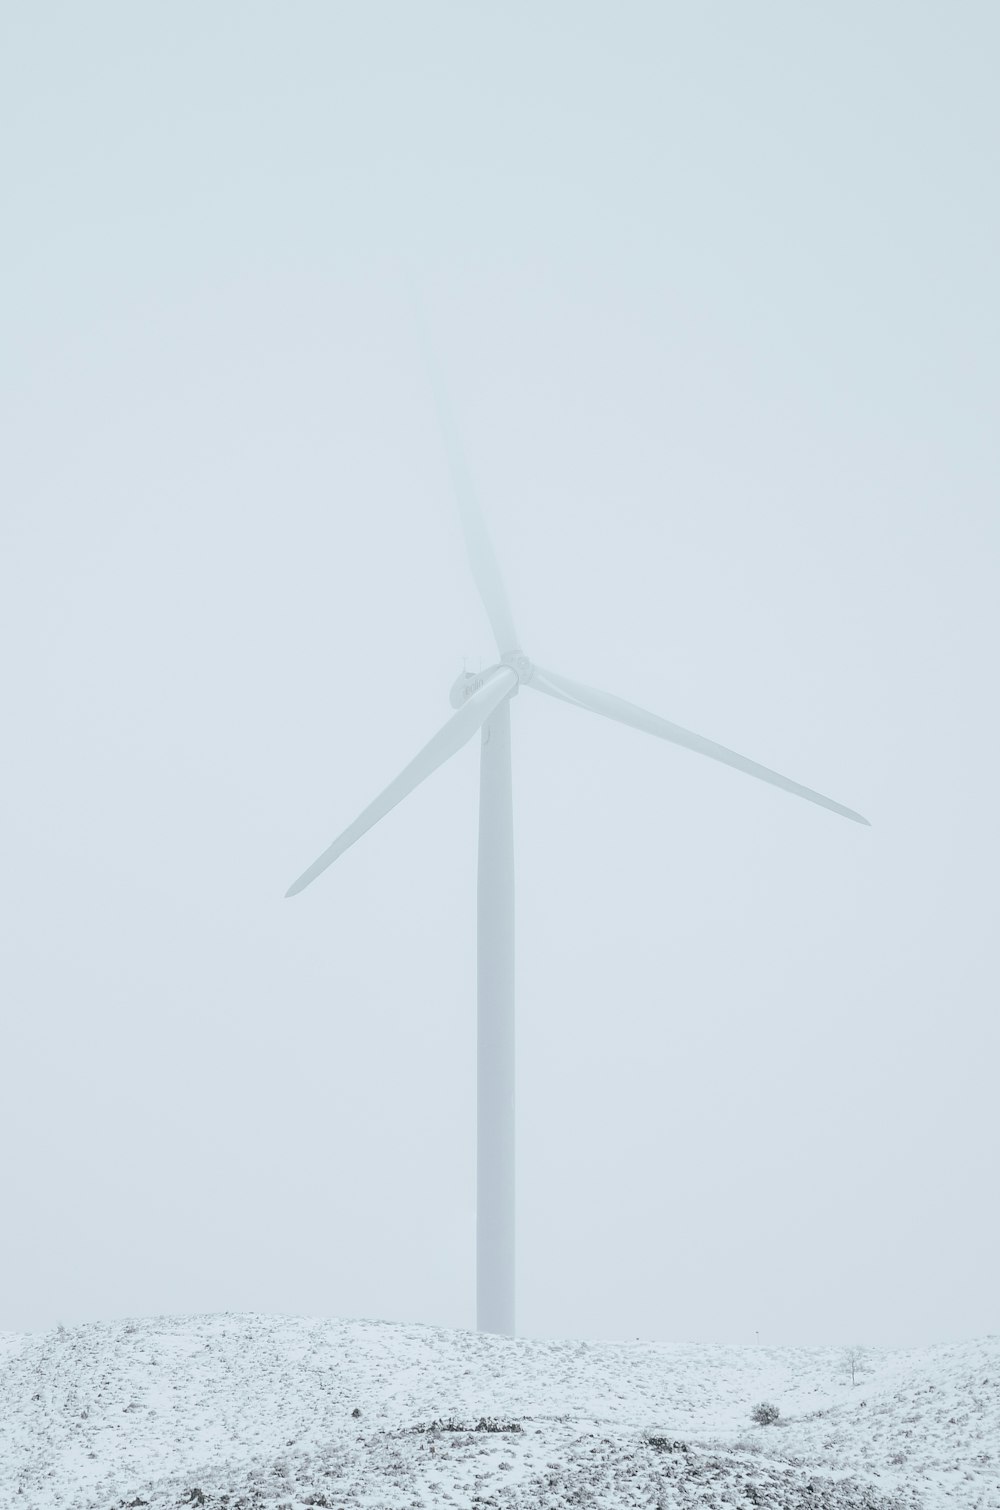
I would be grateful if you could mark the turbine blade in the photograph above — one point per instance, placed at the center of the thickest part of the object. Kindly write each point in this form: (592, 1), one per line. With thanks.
(457, 731)
(479, 547)
(627, 713)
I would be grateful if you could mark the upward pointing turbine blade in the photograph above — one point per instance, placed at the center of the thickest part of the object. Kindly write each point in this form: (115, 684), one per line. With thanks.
(457, 731)
(627, 713)
(479, 547)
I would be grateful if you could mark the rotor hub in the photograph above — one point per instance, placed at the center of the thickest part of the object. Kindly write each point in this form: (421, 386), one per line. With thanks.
(519, 664)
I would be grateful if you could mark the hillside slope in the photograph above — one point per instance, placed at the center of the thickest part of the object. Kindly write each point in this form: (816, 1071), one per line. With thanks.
(236, 1412)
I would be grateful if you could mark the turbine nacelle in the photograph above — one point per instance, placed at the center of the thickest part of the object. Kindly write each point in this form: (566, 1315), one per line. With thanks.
(471, 682)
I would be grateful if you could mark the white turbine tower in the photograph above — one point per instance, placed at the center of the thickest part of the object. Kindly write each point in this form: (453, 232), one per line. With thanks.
(483, 703)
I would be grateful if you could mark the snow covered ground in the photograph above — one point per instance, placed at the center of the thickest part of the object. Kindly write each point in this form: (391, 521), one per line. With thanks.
(235, 1412)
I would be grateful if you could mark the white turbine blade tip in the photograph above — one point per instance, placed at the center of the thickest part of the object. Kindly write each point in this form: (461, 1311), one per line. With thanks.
(305, 879)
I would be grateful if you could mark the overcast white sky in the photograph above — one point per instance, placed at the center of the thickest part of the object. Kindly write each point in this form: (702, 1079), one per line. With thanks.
(715, 287)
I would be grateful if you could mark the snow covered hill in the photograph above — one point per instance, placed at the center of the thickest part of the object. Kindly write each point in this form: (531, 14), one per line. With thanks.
(237, 1412)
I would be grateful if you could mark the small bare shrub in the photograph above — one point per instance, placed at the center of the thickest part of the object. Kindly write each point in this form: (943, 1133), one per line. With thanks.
(765, 1414)
(853, 1362)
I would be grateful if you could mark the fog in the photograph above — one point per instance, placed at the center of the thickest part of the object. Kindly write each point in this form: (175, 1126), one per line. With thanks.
(715, 295)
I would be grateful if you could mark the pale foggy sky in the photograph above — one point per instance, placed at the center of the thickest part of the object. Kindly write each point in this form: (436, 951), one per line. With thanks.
(716, 293)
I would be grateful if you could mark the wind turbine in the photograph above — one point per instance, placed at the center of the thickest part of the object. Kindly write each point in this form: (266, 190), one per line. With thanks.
(482, 702)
